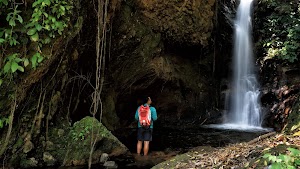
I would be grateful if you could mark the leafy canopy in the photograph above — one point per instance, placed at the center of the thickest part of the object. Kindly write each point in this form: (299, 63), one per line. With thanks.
(21, 27)
(280, 30)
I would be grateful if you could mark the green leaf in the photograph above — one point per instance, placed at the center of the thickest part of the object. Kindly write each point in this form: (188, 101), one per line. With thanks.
(1, 81)
(40, 58)
(7, 67)
(297, 162)
(47, 2)
(34, 61)
(14, 67)
(53, 19)
(62, 8)
(12, 22)
(31, 31)
(47, 27)
(1, 124)
(35, 37)
(47, 40)
(46, 15)
(9, 16)
(59, 24)
(267, 155)
(18, 60)
(35, 3)
(38, 27)
(291, 167)
(276, 166)
(26, 62)
(2, 40)
(294, 151)
(20, 19)
(20, 68)
(5, 2)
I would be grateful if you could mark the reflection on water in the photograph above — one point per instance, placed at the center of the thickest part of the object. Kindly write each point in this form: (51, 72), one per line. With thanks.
(238, 127)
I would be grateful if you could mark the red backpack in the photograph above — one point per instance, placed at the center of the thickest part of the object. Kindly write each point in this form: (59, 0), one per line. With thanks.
(145, 116)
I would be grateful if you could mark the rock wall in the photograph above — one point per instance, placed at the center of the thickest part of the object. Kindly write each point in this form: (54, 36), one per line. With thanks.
(159, 52)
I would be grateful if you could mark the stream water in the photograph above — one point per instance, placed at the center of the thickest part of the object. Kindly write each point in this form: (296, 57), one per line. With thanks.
(168, 142)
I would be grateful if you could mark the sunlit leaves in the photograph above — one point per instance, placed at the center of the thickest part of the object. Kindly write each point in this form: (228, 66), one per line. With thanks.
(289, 161)
(12, 64)
(14, 16)
(48, 20)
(281, 32)
(35, 37)
(36, 59)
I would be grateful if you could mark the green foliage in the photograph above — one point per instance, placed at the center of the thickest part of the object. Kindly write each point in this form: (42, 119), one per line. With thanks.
(76, 135)
(48, 19)
(36, 58)
(288, 161)
(13, 63)
(3, 122)
(280, 30)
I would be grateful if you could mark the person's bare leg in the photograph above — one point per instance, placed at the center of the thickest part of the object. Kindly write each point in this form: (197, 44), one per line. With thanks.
(146, 147)
(139, 147)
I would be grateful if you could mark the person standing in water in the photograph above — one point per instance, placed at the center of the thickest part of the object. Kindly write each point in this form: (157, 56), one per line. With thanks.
(145, 115)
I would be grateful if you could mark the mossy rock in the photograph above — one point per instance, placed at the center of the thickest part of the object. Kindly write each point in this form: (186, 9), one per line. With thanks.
(83, 133)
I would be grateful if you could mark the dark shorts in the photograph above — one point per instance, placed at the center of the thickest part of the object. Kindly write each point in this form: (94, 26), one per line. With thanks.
(144, 134)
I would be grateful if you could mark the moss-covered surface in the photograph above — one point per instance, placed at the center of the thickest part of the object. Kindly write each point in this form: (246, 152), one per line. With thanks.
(72, 147)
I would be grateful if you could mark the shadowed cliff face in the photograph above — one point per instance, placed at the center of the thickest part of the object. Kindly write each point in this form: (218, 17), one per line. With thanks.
(160, 49)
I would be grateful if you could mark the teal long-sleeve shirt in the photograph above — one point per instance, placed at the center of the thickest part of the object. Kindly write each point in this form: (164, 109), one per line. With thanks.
(153, 116)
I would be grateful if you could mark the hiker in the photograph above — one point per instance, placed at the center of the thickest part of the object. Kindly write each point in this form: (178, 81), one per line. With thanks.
(145, 115)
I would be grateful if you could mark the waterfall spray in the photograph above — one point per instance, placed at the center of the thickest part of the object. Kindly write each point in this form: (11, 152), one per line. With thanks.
(244, 108)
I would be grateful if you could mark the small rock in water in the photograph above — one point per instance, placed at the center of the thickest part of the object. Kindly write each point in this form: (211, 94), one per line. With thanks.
(110, 164)
(103, 158)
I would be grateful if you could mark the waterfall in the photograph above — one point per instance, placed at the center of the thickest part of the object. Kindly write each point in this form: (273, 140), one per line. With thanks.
(243, 99)
(244, 108)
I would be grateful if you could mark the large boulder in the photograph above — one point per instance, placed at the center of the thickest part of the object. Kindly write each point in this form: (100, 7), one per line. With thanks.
(74, 147)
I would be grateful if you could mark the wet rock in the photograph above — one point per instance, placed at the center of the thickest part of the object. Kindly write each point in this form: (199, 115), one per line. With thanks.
(110, 164)
(104, 157)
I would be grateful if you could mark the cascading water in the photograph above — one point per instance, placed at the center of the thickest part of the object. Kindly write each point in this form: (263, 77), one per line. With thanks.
(244, 105)
(244, 108)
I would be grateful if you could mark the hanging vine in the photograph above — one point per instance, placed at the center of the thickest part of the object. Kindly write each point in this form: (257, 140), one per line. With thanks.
(100, 66)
